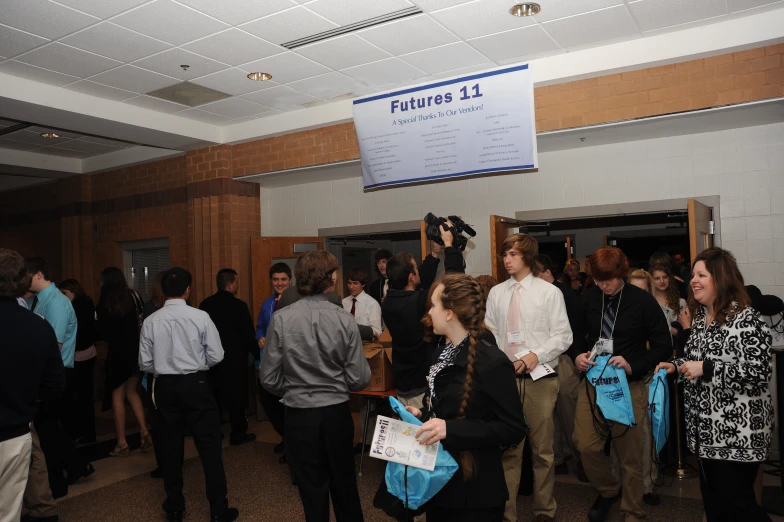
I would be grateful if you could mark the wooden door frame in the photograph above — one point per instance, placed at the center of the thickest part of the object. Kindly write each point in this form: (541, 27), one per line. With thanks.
(701, 216)
(499, 231)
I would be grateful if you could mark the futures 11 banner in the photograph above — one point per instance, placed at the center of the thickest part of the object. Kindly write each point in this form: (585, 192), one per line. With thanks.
(461, 127)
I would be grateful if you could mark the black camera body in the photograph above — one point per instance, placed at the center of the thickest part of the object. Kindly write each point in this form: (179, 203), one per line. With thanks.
(459, 226)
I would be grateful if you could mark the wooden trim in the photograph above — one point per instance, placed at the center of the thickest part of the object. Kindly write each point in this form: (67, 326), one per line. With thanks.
(424, 243)
(700, 237)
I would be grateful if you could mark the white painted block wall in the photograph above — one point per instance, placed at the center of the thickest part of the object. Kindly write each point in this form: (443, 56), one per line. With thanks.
(745, 167)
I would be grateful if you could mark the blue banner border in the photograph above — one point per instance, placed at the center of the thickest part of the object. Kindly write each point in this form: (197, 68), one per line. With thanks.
(445, 176)
(446, 82)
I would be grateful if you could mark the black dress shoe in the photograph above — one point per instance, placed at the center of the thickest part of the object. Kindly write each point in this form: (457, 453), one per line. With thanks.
(157, 472)
(601, 507)
(30, 518)
(652, 499)
(174, 516)
(283, 459)
(244, 439)
(279, 448)
(84, 472)
(230, 515)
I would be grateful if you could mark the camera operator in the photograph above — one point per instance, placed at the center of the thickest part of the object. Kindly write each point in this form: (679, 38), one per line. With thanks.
(402, 310)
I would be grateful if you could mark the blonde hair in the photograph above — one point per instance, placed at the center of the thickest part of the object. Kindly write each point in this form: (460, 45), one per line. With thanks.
(645, 275)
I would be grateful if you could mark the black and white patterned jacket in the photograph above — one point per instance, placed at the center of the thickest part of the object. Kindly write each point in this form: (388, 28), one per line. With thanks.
(729, 413)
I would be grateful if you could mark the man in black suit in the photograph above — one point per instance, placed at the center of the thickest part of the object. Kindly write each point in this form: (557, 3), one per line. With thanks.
(238, 337)
(378, 288)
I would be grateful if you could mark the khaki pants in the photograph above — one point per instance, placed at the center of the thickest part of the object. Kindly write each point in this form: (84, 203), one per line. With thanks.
(538, 399)
(38, 501)
(14, 465)
(628, 445)
(565, 406)
(415, 401)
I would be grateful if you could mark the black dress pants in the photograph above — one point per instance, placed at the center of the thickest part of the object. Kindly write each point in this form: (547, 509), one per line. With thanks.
(83, 417)
(727, 489)
(274, 409)
(319, 448)
(186, 401)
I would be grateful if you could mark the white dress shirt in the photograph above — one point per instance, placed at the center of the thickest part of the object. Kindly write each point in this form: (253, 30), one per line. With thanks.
(367, 311)
(178, 340)
(543, 318)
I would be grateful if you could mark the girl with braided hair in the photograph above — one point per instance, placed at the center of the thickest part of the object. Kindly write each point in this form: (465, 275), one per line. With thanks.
(471, 403)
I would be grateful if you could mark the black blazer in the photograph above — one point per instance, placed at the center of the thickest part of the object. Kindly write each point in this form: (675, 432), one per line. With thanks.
(494, 421)
(374, 289)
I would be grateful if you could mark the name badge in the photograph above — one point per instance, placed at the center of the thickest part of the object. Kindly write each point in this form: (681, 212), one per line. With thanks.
(515, 338)
(601, 347)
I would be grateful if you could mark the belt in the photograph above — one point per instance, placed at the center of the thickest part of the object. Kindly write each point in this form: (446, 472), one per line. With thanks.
(172, 376)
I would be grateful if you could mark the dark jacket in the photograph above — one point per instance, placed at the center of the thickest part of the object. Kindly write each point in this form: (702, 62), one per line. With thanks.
(402, 311)
(84, 308)
(32, 368)
(238, 337)
(374, 289)
(494, 421)
(574, 311)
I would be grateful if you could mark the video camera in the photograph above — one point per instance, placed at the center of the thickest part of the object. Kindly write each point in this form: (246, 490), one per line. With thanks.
(459, 226)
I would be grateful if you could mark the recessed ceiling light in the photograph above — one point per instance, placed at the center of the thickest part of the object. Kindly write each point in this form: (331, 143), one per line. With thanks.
(525, 9)
(259, 76)
(49, 135)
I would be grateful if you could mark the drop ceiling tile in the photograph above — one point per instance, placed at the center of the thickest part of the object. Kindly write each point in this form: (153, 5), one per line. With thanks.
(343, 51)
(288, 25)
(108, 142)
(41, 18)
(657, 14)
(236, 107)
(134, 79)
(35, 138)
(384, 72)
(408, 35)
(233, 81)
(286, 67)
(14, 41)
(206, 117)
(68, 60)
(345, 12)
(86, 146)
(156, 104)
(104, 8)
(233, 47)
(169, 62)
(170, 22)
(17, 145)
(556, 10)
(464, 71)
(101, 91)
(279, 97)
(435, 5)
(445, 58)
(481, 18)
(116, 42)
(741, 5)
(238, 12)
(37, 74)
(510, 44)
(597, 26)
(331, 85)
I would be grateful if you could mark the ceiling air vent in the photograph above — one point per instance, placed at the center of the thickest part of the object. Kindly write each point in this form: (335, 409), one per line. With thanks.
(189, 94)
(364, 24)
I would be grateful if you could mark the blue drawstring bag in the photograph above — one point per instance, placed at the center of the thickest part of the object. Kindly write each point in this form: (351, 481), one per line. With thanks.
(415, 486)
(659, 409)
(612, 391)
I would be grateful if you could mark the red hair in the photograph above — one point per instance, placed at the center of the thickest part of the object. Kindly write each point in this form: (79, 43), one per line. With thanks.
(608, 263)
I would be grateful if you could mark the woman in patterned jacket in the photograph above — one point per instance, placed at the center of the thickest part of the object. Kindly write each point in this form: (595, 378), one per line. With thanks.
(727, 370)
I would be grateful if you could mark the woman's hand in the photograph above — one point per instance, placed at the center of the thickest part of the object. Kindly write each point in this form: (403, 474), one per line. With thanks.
(667, 366)
(691, 370)
(619, 362)
(433, 431)
(414, 411)
(685, 318)
(583, 363)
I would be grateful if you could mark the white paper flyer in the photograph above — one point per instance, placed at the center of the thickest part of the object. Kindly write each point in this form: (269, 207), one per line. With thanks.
(395, 441)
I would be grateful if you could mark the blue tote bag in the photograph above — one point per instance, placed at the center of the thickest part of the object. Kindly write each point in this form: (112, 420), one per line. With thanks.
(659, 409)
(612, 391)
(415, 486)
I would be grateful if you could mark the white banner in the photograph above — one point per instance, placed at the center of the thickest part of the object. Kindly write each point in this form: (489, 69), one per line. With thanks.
(461, 127)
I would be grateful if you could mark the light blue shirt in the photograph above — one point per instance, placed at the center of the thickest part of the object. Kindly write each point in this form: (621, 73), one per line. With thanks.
(58, 311)
(178, 340)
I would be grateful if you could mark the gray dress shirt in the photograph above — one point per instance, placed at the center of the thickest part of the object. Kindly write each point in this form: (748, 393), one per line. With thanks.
(178, 340)
(313, 354)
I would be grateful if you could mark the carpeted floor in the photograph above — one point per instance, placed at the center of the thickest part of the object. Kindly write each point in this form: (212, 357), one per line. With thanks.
(261, 488)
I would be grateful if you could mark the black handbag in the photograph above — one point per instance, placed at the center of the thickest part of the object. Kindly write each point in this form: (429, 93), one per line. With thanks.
(393, 506)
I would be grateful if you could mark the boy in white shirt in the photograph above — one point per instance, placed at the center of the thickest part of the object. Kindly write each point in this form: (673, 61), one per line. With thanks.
(364, 308)
(528, 318)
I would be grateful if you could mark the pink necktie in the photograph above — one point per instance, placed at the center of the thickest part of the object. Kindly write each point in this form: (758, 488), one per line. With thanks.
(513, 322)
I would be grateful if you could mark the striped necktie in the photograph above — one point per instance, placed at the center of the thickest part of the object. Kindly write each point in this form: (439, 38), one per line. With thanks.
(608, 317)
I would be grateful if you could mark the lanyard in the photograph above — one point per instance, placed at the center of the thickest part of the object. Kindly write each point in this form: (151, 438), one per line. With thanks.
(618, 309)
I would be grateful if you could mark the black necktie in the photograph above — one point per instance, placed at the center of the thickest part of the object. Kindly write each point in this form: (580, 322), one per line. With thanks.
(608, 318)
(35, 303)
(353, 306)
